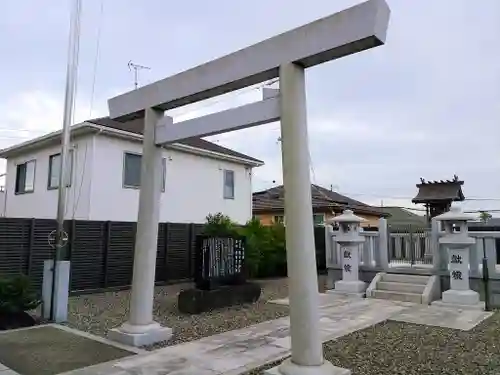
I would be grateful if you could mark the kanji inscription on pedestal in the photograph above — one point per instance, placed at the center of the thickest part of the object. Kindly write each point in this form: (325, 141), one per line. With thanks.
(459, 269)
(349, 262)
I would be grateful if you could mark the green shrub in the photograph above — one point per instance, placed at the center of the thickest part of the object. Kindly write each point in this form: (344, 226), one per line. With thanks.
(265, 254)
(219, 225)
(273, 259)
(16, 295)
(257, 238)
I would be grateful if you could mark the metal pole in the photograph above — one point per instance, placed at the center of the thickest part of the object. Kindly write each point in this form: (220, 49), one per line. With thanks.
(69, 100)
(486, 279)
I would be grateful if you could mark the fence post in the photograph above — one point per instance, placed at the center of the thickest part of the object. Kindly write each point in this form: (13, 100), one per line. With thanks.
(437, 261)
(382, 258)
(105, 255)
(476, 258)
(329, 247)
(30, 246)
(411, 245)
(71, 239)
(490, 249)
(165, 244)
(330, 256)
(190, 249)
(365, 248)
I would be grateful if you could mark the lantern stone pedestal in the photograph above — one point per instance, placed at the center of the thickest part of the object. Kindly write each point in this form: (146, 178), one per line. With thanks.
(349, 240)
(458, 243)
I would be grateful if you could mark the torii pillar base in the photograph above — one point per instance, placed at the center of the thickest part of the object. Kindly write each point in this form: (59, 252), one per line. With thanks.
(290, 368)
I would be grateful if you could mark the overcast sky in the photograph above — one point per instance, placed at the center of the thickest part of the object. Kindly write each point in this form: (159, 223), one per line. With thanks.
(427, 104)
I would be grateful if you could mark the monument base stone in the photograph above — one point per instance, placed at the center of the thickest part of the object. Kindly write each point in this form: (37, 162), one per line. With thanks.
(460, 299)
(196, 301)
(349, 288)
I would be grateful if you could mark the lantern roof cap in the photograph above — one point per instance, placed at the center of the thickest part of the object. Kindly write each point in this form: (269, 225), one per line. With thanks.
(455, 214)
(347, 217)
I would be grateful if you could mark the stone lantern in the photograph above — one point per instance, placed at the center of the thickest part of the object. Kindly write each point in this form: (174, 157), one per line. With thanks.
(349, 239)
(458, 243)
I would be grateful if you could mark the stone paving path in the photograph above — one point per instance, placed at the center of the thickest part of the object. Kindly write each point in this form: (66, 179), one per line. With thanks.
(235, 352)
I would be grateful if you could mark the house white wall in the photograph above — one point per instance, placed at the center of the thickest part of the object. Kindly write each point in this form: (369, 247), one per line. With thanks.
(42, 202)
(194, 185)
(193, 189)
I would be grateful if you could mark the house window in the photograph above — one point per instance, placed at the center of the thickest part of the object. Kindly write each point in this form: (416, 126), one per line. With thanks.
(228, 184)
(132, 171)
(55, 170)
(25, 177)
(318, 219)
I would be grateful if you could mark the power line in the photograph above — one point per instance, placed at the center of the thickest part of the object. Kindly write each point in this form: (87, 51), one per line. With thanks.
(96, 59)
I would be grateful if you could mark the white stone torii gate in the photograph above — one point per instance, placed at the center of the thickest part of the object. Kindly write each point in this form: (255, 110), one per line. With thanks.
(286, 56)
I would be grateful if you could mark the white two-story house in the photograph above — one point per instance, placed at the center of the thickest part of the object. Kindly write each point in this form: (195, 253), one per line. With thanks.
(199, 177)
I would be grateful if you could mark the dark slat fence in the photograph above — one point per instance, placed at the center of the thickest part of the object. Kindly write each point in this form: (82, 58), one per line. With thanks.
(101, 252)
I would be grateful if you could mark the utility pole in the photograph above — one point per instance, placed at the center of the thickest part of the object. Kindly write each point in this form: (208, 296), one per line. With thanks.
(69, 100)
(136, 68)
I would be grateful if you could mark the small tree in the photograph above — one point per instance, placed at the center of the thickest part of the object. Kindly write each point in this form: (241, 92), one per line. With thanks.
(484, 216)
(16, 295)
(219, 225)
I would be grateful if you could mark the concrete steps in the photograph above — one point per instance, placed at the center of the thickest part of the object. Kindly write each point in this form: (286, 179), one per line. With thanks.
(397, 296)
(401, 287)
(420, 289)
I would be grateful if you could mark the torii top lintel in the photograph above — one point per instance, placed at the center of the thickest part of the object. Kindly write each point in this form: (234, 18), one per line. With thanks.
(355, 29)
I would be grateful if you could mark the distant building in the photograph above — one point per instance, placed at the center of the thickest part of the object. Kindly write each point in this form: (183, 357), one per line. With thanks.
(269, 206)
(403, 218)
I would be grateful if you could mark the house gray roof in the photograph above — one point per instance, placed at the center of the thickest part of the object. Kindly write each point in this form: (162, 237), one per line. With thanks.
(493, 222)
(439, 191)
(402, 217)
(128, 130)
(136, 126)
(272, 200)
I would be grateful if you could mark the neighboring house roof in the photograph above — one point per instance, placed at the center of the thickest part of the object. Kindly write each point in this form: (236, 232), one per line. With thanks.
(493, 222)
(438, 191)
(131, 130)
(401, 216)
(272, 200)
(136, 126)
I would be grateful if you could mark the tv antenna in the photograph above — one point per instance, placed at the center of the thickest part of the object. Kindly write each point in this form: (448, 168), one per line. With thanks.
(136, 68)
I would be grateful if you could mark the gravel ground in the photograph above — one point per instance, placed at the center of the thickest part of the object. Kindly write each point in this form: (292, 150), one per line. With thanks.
(411, 349)
(98, 313)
